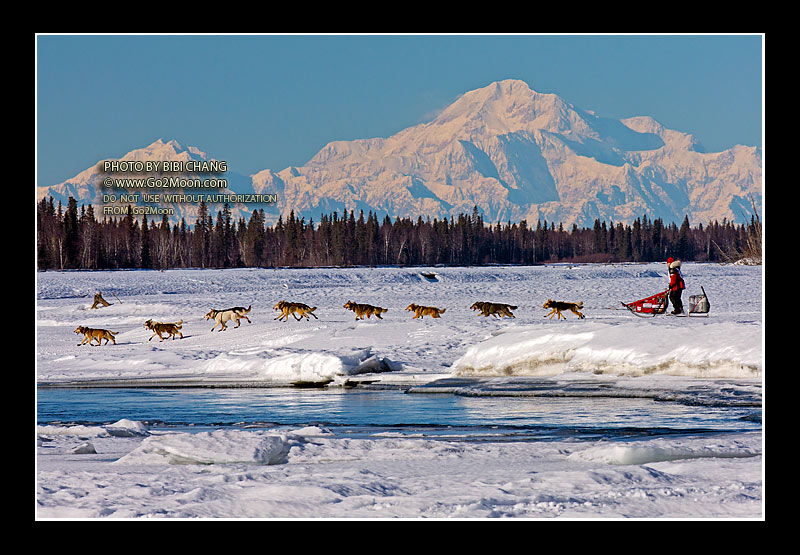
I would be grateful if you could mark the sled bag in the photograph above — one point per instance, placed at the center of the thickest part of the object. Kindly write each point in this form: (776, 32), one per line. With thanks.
(698, 304)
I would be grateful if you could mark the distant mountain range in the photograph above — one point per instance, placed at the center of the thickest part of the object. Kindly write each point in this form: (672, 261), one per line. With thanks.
(511, 151)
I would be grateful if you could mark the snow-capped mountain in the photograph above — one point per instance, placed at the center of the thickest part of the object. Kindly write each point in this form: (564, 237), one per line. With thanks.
(515, 154)
(88, 186)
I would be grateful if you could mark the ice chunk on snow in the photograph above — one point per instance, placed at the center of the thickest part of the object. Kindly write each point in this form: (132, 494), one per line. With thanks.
(84, 449)
(217, 447)
(311, 431)
(127, 428)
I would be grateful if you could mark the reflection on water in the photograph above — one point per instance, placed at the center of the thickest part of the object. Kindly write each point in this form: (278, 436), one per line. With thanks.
(392, 410)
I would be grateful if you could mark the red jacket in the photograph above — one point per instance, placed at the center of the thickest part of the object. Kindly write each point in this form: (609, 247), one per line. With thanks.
(676, 282)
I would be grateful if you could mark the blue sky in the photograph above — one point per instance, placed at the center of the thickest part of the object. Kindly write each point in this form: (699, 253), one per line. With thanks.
(268, 101)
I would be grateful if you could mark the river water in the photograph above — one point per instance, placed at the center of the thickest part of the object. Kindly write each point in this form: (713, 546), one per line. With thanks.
(481, 413)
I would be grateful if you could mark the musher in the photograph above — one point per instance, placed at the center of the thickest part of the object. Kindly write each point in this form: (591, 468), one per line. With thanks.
(676, 285)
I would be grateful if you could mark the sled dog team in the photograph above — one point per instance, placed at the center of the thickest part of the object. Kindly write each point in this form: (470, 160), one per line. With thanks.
(165, 330)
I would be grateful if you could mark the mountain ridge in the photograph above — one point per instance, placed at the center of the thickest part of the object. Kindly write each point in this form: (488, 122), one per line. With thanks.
(513, 153)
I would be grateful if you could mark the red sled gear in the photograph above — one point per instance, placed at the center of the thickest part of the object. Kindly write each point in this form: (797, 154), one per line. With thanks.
(650, 306)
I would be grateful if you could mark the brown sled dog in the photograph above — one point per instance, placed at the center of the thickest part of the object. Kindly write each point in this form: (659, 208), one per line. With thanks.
(168, 328)
(420, 311)
(367, 310)
(91, 333)
(558, 306)
(498, 310)
(221, 316)
(294, 309)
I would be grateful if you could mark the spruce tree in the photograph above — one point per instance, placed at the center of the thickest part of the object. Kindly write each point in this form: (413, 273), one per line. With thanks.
(145, 252)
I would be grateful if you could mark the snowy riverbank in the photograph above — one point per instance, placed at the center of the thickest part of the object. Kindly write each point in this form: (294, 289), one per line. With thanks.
(130, 469)
(336, 347)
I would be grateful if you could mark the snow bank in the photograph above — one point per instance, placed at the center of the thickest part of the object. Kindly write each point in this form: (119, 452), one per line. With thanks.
(659, 450)
(79, 431)
(706, 350)
(121, 428)
(293, 368)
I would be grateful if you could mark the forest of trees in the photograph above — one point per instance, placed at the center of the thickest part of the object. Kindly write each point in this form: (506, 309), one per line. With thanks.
(73, 238)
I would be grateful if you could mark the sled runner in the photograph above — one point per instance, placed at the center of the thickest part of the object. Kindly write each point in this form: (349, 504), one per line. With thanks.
(650, 306)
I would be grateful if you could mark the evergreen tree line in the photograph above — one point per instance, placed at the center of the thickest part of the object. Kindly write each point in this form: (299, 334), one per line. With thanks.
(73, 238)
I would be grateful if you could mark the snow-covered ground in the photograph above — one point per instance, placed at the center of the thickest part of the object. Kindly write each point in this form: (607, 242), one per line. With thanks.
(310, 473)
(128, 471)
(610, 340)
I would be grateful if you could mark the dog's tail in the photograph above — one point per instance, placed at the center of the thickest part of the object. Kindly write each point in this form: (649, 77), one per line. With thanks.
(113, 332)
(178, 324)
(382, 310)
(580, 304)
(512, 307)
(312, 309)
(248, 309)
(442, 311)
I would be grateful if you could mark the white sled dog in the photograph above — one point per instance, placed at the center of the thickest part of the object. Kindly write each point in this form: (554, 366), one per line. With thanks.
(221, 316)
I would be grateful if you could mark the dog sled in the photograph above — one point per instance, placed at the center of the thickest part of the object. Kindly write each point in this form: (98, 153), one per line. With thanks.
(649, 306)
(653, 305)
